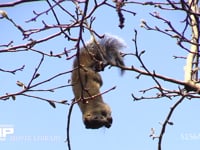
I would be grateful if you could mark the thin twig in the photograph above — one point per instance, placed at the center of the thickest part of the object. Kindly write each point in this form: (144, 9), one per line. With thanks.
(68, 125)
(13, 71)
(167, 121)
(17, 2)
(35, 72)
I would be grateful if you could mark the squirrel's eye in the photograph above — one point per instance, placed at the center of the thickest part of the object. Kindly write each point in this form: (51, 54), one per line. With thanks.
(104, 113)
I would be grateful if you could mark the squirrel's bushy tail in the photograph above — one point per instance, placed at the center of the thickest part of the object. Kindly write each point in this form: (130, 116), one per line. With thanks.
(112, 45)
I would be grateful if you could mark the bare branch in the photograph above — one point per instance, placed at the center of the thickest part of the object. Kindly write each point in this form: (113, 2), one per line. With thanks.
(167, 120)
(13, 71)
(17, 2)
(51, 102)
(35, 74)
(68, 125)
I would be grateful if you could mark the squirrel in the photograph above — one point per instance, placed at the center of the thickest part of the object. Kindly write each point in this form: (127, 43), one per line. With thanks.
(86, 81)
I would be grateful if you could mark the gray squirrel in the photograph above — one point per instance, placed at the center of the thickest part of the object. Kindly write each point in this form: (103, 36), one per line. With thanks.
(86, 81)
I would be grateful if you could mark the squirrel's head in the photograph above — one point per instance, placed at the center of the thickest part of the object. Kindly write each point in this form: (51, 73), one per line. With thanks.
(98, 117)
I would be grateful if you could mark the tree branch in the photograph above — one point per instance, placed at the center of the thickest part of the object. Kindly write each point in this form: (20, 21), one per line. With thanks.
(11, 4)
(167, 120)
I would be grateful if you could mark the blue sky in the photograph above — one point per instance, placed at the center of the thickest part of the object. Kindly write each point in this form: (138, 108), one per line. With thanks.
(39, 126)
